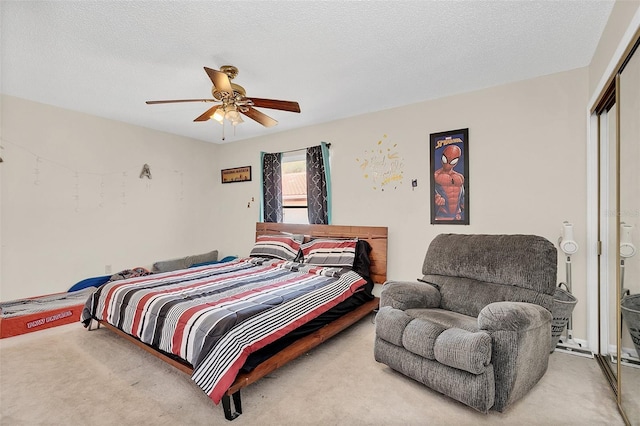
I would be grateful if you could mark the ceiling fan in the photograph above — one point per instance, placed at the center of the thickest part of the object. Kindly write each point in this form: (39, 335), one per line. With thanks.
(233, 100)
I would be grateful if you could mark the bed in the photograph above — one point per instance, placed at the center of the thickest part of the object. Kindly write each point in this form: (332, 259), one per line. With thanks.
(228, 325)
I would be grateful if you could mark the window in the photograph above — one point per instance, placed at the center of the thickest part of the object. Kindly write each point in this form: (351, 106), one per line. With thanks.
(294, 188)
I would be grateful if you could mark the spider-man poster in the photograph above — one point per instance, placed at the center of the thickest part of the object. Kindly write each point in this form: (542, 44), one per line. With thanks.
(450, 177)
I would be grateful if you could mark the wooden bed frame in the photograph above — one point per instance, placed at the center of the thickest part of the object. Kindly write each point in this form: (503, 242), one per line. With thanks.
(375, 236)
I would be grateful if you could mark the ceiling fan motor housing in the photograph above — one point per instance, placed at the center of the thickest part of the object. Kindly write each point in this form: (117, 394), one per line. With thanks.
(238, 91)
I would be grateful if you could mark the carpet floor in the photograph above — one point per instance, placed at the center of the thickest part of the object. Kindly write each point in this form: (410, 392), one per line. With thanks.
(69, 376)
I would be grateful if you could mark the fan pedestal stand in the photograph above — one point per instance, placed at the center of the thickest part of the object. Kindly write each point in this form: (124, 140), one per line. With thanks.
(569, 345)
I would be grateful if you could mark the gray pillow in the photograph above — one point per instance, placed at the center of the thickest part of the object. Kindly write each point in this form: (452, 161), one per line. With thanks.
(212, 256)
(171, 265)
(184, 262)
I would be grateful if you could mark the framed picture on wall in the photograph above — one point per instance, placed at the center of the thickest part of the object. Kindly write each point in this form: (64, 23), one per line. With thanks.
(237, 174)
(450, 177)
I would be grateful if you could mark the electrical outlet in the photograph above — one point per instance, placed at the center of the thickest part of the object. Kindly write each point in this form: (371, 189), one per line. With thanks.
(107, 269)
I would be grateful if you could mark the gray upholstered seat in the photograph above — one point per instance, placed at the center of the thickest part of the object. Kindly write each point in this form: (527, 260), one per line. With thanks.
(477, 326)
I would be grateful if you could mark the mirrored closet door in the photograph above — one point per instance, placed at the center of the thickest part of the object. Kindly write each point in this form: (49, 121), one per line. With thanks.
(629, 237)
(618, 119)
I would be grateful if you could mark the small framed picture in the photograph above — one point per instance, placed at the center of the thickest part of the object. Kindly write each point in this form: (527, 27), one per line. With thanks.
(237, 174)
(450, 177)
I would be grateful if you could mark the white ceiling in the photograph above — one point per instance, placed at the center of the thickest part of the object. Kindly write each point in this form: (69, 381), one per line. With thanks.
(336, 58)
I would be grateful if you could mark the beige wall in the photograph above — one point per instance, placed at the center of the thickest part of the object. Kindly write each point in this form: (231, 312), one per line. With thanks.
(621, 15)
(527, 170)
(73, 202)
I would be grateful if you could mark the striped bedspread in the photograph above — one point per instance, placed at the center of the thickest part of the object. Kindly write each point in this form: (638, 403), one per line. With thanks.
(215, 316)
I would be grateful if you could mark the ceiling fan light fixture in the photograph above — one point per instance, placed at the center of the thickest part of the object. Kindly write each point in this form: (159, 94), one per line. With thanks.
(237, 121)
(218, 115)
(232, 115)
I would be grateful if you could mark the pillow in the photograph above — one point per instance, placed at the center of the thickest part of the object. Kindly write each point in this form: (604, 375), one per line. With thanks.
(171, 265)
(212, 256)
(90, 282)
(329, 252)
(213, 262)
(184, 262)
(276, 246)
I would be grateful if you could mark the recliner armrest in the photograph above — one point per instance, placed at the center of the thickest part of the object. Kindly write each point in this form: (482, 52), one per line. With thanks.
(405, 295)
(512, 316)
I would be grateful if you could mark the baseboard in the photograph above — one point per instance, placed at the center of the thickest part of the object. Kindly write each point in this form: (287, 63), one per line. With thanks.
(576, 347)
(629, 361)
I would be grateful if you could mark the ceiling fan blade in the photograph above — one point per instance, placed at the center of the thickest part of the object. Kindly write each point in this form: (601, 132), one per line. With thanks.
(207, 114)
(261, 118)
(275, 104)
(220, 80)
(171, 101)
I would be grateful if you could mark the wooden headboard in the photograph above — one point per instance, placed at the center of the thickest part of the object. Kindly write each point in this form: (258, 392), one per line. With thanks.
(376, 236)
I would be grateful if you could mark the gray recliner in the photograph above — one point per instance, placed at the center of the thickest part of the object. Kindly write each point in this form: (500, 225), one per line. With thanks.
(477, 326)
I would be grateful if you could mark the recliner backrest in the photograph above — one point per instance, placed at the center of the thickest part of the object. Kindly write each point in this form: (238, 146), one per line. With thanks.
(475, 270)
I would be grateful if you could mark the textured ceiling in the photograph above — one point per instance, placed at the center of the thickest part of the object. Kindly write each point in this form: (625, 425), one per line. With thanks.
(336, 58)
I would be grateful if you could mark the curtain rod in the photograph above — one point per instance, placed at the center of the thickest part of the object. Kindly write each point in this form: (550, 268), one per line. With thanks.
(294, 150)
